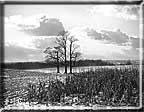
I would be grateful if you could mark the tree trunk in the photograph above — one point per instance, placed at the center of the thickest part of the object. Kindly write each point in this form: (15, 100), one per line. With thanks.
(57, 62)
(70, 58)
(65, 62)
(75, 64)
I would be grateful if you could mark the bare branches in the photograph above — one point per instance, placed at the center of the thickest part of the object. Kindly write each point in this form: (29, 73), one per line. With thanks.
(72, 39)
(73, 48)
(62, 42)
(76, 55)
(50, 53)
(62, 38)
(66, 46)
(53, 54)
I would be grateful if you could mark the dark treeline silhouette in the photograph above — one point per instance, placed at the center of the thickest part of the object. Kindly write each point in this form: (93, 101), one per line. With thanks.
(48, 64)
(28, 65)
(92, 63)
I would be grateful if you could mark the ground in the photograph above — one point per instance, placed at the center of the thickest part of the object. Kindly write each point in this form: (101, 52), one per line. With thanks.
(15, 82)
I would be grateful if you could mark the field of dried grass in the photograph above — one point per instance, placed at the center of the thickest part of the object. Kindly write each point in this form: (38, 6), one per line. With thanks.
(87, 89)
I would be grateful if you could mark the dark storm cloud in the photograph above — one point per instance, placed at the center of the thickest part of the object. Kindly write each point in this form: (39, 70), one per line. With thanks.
(17, 53)
(47, 27)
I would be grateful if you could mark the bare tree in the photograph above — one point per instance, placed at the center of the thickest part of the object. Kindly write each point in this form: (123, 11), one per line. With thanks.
(62, 42)
(73, 47)
(53, 54)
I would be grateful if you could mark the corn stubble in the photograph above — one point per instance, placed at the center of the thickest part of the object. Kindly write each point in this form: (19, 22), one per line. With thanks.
(108, 87)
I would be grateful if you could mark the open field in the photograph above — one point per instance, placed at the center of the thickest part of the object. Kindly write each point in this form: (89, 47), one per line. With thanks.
(87, 89)
(16, 81)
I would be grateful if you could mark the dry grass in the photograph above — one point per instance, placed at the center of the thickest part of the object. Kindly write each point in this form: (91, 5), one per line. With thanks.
(116, 87)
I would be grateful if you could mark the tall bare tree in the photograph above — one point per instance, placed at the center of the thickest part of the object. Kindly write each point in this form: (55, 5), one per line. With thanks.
(73, 47)
(53, 54)
(61, 40)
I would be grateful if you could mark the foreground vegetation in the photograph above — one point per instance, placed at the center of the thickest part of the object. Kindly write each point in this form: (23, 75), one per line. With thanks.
(103, 87)
(107, 87)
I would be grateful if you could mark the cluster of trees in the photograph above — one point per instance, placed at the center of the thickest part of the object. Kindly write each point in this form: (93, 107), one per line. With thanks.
(66, 49)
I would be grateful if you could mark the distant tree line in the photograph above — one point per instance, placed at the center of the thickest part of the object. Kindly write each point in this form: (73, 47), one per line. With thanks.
(48, 64)
(28, 65)
(92, 63)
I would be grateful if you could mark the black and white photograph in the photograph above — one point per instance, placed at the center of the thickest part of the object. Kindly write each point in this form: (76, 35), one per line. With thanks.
(72, 56)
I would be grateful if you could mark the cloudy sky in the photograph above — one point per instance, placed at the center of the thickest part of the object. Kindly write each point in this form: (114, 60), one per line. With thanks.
(103, 31)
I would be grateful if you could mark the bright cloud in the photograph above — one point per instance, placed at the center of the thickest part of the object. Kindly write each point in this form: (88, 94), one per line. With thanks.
(19, 45)
(20, 20)
(99, 48)
(27, 37)
(125, 12)
(16, 37)
(39, 25)
(32, 47)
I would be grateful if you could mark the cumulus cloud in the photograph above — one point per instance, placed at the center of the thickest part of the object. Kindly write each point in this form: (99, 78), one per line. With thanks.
(48, 27)
(127, 12)
(106, 44)
(19, 46)
(94, 44)
(114, 37)
(36, 25)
